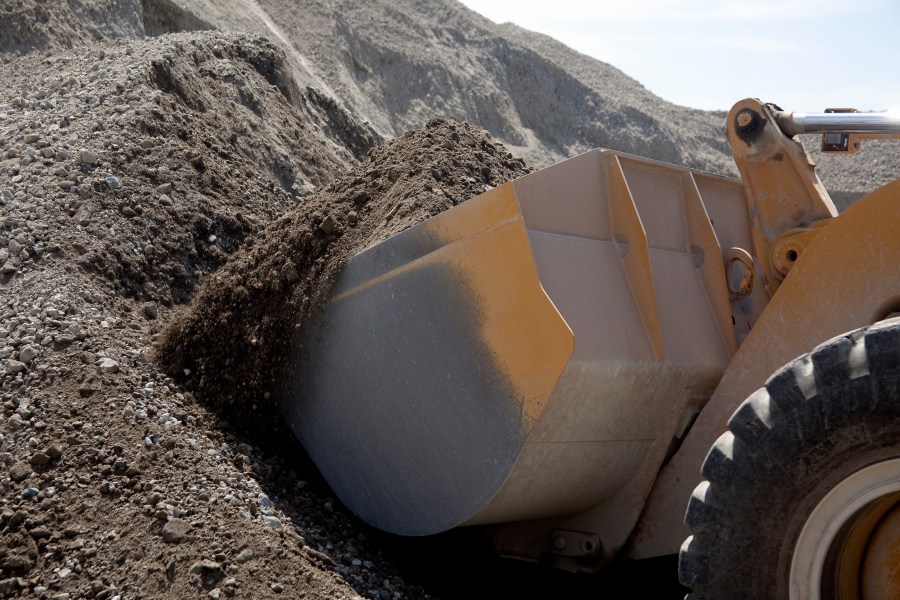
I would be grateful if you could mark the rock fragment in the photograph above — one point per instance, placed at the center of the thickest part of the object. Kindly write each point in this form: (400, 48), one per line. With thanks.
(244, 555)
(87, 158)
(150, 310)
(28, 353)
(108, 365)
(15, 366)
(175, 531)
(19, 471)
(39, 459)
(328, 225)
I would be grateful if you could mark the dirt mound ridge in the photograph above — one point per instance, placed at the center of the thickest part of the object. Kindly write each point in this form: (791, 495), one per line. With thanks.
(233, 347)
(167, 155)
(401, 63)
(54, 24)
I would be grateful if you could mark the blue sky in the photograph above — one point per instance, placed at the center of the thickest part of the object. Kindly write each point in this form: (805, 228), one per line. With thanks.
(801, 54)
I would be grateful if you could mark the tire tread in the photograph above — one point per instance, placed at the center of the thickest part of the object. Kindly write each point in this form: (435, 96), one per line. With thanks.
(767, 424)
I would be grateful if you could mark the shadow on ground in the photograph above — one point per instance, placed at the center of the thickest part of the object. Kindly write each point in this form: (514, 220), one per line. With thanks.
(455, 565)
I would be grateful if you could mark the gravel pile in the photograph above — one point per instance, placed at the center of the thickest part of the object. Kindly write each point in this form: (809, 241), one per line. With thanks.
(128, 173)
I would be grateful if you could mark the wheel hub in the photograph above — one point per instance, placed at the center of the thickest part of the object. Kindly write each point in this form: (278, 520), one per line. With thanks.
(881, 565)
(849, 547)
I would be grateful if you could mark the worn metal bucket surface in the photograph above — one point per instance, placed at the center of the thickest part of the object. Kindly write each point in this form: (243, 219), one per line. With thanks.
(518, 356)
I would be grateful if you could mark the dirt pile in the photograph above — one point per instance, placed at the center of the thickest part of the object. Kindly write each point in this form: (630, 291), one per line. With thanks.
(54, 24)
(128, 172)
(232, 348)
(399, 63)
(170, 150)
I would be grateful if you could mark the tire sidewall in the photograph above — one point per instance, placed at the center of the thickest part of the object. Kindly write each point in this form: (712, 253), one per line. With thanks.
(755, 508)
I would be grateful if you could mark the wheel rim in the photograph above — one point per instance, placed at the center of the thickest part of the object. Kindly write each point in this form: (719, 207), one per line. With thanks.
(848, 547)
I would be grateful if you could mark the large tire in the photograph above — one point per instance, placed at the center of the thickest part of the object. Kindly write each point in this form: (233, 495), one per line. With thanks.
(817, 447)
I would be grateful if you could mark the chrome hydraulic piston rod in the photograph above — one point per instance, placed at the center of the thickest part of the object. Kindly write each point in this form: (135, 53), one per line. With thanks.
(793, 123)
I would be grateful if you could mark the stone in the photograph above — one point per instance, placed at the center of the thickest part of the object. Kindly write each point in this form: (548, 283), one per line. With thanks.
(27, 354)
(8, 586)
(39, 459)
(113, 182)
(108, 365)
(175, 530)
(15, 366)
(165, 188)
(18, 518)
(17, 561)
(53, 451)
(89, 386)
(205, 565)
(328, 225)
(87, 158)
(244, 555)
(19, 471)
(150, 310)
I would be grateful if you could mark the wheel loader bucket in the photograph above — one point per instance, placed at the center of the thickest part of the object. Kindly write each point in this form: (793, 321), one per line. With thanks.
(517, 356)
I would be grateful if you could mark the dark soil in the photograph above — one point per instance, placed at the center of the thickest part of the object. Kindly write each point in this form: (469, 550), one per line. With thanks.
(233, 346)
